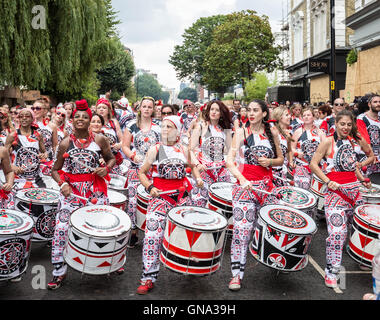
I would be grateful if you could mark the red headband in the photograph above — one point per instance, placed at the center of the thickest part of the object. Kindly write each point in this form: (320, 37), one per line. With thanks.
(103, 101)
(82, 106)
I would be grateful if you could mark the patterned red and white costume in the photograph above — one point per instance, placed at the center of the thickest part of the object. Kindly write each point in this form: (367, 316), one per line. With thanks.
(169, 173)
(211, 155)
(83, 183)
(246, 204)
(340, 204)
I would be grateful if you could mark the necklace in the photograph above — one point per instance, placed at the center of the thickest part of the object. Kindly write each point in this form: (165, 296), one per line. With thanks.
(80, 142)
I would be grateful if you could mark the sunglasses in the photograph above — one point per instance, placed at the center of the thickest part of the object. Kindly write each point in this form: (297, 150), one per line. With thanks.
(61, 114)
(166, 113)
(36, 108)
(339, 104)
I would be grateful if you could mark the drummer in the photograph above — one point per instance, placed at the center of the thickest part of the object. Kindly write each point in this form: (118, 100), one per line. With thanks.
(281, 115)
(111, 130)
(258, 149)
(343, 180)
(305, 142)
(140, 134)
(6, 196)
(212, 138)
(27, 149)
(85, 179)
(169, 160)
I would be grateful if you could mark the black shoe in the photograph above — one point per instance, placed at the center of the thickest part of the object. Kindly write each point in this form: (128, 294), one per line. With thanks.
(133, 241)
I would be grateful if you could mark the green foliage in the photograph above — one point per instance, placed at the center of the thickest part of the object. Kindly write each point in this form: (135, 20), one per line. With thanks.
(188, 58)
(188, 93)
(352, 57)
(147, 85)
(256, 88)
(62, 58)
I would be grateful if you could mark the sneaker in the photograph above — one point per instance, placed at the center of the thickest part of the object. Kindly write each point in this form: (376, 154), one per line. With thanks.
(331, 281)
(369, 296)
(234, 284)
(132, 241)
(120, 271)
(17, 279)
(145, 287)
(56, 282)
(364, 268)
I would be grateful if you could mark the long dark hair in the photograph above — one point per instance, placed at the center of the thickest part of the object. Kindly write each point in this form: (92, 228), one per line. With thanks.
(268, 132)
(225, 120)
(354, 131)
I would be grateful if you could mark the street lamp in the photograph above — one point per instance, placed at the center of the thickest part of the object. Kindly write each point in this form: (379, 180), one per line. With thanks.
(332, 52)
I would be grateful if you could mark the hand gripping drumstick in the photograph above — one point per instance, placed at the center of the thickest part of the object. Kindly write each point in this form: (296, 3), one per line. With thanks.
(278, 196)
(66, 155)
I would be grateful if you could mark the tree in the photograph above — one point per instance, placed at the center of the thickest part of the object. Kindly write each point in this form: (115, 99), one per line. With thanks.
(62, 57)
(256, 88)
(241, 46)
(188, 93)
(147, 85)
(188, 58)
(117, 75)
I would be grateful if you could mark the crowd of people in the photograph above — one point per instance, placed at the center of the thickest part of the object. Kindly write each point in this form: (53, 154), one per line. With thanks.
(256, 146)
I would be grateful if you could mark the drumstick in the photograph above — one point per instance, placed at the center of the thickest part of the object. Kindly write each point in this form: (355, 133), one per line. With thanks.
(291, 182)
(66, 155)
(180, 190)
(93, 200)
(278, 196)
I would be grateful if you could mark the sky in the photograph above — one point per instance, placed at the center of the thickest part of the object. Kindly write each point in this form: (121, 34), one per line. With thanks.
(152, 28)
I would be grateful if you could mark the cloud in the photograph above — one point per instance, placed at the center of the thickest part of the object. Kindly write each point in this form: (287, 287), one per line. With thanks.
(151, 28)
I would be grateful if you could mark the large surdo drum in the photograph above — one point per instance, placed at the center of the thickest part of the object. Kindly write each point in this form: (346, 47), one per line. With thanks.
(282, 237)
(193, 240)
(98, 238)
(142, 204)
(220, 200)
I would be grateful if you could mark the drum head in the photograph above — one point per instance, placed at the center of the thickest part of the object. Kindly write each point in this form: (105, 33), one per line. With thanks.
(297, 197)
(197, 218)
(369, 213)
(15, 222)
(142, 192)
(117, 182)
(288, 219)
(38, 195)
(373, 193)
(101, 221)
(116, 197)
(222, 190)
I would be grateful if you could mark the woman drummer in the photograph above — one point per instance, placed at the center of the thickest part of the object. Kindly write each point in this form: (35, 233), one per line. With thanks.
(342, 177)
(282, 117)
(111, 130)
(305, 142)
(27, 150)
(78, 173)
(258, 147)
(212, 138)
(140, 134)
(168, 160)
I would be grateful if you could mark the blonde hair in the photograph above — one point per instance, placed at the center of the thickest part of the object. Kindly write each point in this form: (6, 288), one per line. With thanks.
(277, 114)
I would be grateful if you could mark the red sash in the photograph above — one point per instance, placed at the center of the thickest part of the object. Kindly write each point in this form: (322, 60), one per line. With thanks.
(98, 182)
(172, 184)
(344, 177)
(256, 173)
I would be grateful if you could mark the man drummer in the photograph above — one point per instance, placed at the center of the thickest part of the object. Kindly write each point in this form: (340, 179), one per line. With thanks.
(78, 172)
(6, 197)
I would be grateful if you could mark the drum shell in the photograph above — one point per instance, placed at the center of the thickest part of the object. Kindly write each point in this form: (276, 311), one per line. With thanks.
(96, 255)
(19, 241)
(280, 249)
(190, 251)
(371, 198)
(43, 214)
(364, 238)
(117, 183)
(142, 204)
(318, 188)
(117, 199)
(222, 205)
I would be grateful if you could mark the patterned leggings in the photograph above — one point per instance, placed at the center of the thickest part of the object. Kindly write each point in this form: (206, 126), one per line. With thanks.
(132, 182)
(339, 214)
(246, 205)
(154, 233)
(65, 208)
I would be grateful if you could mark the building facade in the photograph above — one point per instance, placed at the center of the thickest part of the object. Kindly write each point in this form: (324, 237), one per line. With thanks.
(362, 76)
(308, 26)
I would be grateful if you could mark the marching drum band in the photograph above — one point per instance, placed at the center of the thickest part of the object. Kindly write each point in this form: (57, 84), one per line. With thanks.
(185, 182)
